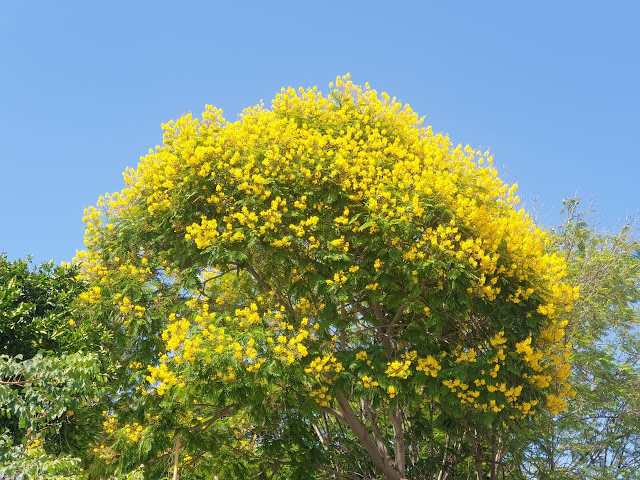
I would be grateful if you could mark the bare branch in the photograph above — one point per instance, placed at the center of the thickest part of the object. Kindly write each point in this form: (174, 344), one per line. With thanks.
(395, 319)
(220, 414)
(377, 309)
(336, 472)
(332, 411)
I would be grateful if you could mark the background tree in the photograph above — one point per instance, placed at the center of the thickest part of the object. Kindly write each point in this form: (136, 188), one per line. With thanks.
(323, 289)
(598, 436)
(45, 377)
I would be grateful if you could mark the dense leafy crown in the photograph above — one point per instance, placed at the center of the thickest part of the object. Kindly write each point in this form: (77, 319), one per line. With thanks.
(327, 246)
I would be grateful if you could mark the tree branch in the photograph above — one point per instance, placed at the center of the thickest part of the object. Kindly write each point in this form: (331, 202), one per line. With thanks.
(477, 456)
(398, 439)
(381, 460)
(176, 456)
(268, 288)
(395, 319)
(220, 414)
(373, 420)
(332, 411)
(336, 472)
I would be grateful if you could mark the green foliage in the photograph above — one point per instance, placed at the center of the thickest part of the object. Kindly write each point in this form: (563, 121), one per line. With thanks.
(35, 307)
(47, 378)
(42, 390)
(598, 436)
(36, 463)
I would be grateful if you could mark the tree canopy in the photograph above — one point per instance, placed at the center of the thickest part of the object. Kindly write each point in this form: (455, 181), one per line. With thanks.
(46, 373)
(323, 286)
(597, 436)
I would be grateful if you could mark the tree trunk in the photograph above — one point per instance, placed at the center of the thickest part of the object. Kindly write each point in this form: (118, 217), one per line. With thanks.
(176, 456)
(380, 458)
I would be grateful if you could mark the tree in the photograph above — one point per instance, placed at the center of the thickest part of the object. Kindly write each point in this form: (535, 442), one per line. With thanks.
(45, 377)
(598, 436)
(323, 289)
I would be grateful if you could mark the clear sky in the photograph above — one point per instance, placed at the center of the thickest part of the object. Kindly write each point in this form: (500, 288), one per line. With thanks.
(552, 87)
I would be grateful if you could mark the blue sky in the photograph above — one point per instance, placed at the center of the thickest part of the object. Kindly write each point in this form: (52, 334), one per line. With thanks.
(551, 87)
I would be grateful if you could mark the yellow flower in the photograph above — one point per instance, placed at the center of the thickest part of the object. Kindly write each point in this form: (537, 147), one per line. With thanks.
(361, 355)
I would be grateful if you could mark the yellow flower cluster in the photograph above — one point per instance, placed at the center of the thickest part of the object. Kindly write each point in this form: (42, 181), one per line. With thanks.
(468, 356)
(248, 316)
(513, 393)
(323, 367)
(392, 391)
(127, 307)
(530, 356)
(527, 408)
(362, 356)
(33, 444)
(429, 366)
(292, 348)
(339, 278)
(92, 265)
(252, 367)
(557, 403)
(176, 332)
(111, 423)
(133, 432)
(204, 233)
(398, 369)
(322, 396)
(462, 390)
(166, 378)
(92, 295)
(369, 382)
(227, 376)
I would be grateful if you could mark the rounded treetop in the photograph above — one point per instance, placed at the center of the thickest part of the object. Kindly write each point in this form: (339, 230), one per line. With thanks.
(335, 240)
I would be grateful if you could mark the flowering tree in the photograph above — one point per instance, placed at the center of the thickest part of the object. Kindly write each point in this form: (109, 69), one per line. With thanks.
(322, 289)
